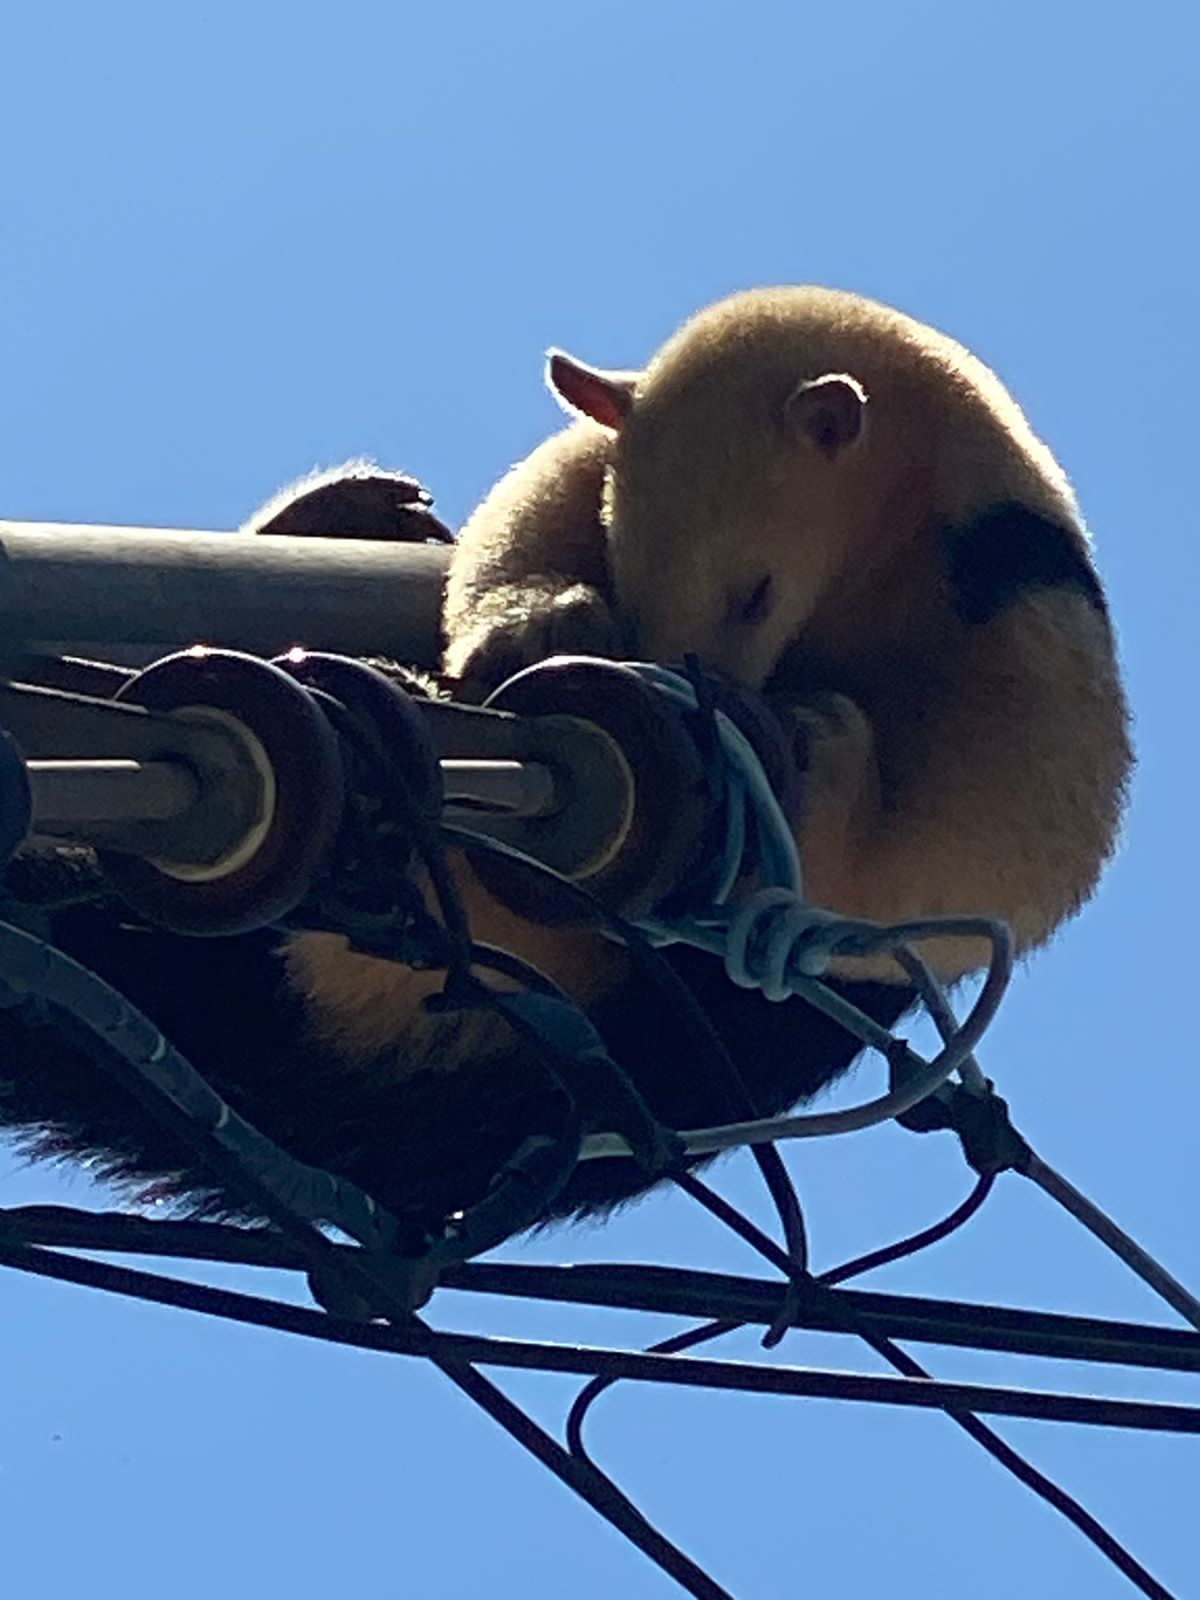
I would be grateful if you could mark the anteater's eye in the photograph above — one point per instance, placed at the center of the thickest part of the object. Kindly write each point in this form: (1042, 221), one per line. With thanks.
(752, 606)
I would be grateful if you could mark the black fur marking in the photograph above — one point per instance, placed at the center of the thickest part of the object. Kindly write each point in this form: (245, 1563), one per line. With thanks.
(1008, 550)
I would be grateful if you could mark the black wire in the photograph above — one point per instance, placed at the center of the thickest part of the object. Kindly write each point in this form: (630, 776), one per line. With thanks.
(360, 737)
(983, 1435)
(582, 1475)
(1054, 1495)
(414, 1338)
(573, 1466)
(81, 1004)
(591, 1392)
(688, 1340)
(337, 1266)
(774, 1171)
(359, 733)
(409, 1338)
(949, 1224)
(667, 1290)
(577, 1470)
(598, 1489)
(430, 840)
(676, 992)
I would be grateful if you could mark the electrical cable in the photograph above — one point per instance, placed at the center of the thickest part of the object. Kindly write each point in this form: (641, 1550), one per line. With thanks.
(998, 1448)
(1117, 1240)
(773, 942)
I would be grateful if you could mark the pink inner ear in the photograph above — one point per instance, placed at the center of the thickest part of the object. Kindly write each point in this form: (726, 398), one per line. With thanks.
(605, 397)
(829, 411)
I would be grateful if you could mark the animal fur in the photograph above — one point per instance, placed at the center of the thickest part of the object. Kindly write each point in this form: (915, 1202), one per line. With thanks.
(357, 500)
(837, 505)
(845, 509)
(828, 502)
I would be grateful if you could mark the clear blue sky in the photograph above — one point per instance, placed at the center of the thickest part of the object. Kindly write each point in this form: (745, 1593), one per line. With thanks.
(243, 240)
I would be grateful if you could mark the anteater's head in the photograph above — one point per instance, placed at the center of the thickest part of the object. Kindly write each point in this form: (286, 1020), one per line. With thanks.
(757, 473)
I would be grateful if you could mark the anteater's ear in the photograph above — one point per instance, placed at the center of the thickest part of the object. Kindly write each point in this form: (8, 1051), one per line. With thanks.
(829, 412)
(604, 396)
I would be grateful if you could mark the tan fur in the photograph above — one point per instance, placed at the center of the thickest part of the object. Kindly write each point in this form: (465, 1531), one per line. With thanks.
(703, 486)
(1002, 767)
(365, 1007)
(548, 507)
(952, 767)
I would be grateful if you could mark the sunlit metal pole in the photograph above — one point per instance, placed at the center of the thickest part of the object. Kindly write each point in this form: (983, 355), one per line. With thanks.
(81, 586)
